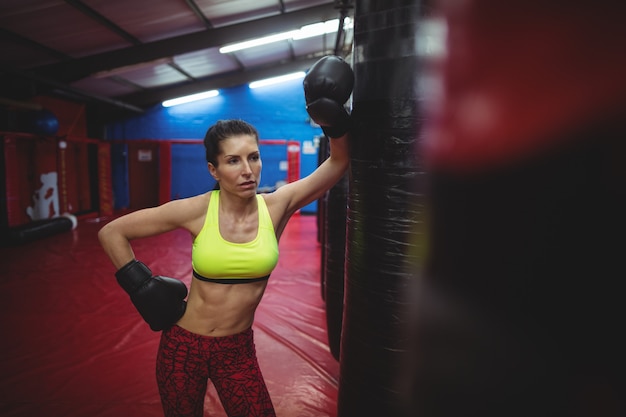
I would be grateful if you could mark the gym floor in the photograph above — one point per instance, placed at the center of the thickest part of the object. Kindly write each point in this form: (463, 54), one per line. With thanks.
(73, 345)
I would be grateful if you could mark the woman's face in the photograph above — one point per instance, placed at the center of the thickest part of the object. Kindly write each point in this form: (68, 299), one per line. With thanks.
(238, 165)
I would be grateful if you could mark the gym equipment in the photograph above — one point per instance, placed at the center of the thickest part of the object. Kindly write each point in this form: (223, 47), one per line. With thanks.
(333, 258)
(40, 122)
(327, 86)
(382, 212)
(39, 229)
(159, 300)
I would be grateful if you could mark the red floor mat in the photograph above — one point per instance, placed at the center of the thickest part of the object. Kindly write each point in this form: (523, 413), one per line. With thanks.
(73, 345)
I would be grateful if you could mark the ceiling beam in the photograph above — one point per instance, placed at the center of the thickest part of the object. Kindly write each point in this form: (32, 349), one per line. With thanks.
(196, 10)
(79, 68)
(88, 11)
(29, 43)
(56, 85)
(156, 95)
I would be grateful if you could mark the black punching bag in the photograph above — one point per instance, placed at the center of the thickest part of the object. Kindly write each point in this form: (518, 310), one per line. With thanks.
(521, 311)
(382, 210)
(334, 261)
(322, 155)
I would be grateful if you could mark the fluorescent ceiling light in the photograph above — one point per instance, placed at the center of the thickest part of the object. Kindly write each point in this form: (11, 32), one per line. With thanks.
(276, 80)
(308, 31)
(317, 29)
(190, 98)
(257, 42)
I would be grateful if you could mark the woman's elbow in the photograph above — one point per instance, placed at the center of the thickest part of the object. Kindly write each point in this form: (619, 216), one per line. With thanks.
(105, 233)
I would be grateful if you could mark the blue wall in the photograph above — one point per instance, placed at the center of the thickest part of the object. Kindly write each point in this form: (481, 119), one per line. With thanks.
(277, 111)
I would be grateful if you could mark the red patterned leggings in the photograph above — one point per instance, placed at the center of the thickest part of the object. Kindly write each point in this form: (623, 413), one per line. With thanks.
(186, 361)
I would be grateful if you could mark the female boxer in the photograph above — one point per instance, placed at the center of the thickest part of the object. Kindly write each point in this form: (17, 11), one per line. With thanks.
(235, 234)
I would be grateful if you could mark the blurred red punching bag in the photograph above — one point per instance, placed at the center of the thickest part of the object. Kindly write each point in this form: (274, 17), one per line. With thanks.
(520, 310)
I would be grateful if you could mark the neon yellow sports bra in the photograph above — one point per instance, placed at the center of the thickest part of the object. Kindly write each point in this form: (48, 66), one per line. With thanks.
(215, 259)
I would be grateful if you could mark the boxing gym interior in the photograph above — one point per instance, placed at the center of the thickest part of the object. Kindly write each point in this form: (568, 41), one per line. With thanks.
(469, 263)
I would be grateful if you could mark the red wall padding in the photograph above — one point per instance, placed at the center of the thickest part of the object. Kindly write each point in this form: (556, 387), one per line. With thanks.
(28, 157)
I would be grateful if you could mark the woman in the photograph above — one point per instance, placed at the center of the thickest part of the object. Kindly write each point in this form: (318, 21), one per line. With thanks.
(235, 248)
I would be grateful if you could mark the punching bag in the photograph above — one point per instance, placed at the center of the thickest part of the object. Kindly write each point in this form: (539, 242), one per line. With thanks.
(40, 122)
(38, 229)
(520, 310)
(334, 261)
(382, 210)
(322, 202)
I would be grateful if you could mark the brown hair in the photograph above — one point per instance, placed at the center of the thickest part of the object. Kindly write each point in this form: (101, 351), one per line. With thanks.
(222, 130)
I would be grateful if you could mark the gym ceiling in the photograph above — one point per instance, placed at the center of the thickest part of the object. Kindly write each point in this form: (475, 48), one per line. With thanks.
(132, 54)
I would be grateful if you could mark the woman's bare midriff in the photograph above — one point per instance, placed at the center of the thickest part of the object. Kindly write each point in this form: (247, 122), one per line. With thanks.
(216, 310)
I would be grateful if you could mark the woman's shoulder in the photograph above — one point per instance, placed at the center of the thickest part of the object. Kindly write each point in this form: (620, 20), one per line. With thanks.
(194, 201)
(273, 199)
(188, 208)
(277, 203)
(190, 211)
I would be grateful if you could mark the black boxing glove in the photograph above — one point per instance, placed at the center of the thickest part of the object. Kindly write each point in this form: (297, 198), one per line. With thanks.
(327, 86)
(159, 300)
